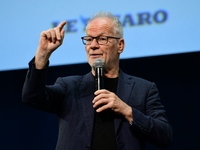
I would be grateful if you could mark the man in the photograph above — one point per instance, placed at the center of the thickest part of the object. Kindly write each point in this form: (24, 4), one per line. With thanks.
(123, 115)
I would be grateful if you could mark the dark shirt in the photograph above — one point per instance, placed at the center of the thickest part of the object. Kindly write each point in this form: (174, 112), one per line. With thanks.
(104, 132)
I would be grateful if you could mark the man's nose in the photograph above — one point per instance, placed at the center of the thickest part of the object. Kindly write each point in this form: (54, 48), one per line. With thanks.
(94, 43)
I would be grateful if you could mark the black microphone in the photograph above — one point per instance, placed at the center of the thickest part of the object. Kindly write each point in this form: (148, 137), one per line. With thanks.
(99, 73)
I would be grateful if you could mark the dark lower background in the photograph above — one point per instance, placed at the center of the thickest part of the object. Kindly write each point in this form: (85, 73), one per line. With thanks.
(177, 77)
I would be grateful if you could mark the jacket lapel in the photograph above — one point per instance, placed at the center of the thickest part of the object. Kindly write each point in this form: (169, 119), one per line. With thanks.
(124, 89)
(86, 96)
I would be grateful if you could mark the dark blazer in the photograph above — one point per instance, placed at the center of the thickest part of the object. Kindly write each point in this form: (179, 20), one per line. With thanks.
(71, 99)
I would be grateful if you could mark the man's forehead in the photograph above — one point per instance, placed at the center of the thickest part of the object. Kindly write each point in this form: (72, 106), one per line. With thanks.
(100, 21)
(100, 26)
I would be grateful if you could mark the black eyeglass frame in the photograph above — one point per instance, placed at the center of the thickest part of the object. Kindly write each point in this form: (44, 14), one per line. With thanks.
(97, 37)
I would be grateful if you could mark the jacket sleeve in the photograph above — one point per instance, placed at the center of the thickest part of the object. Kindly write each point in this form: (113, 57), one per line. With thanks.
(36, 94)
(153, 124)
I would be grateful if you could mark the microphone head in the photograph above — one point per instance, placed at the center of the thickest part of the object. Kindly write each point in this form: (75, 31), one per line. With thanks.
(98, 63)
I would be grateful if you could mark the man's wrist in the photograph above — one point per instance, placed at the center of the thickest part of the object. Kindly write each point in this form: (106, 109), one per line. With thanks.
(129, 115)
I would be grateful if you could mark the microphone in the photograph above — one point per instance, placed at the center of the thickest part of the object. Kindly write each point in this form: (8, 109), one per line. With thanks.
(99, 73)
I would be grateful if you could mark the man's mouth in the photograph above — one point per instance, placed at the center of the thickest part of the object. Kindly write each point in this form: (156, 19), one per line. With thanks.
(95, 55)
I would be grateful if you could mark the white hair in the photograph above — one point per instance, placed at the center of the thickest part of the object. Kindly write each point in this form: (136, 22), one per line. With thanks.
(118, 28)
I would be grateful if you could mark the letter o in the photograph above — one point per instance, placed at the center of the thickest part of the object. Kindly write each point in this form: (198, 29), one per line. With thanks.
(160, 16)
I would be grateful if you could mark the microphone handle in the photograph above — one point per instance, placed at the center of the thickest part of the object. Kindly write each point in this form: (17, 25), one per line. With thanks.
(99, 80)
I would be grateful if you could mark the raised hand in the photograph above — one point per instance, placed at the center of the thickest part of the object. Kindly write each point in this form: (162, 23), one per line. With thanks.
(50, 40)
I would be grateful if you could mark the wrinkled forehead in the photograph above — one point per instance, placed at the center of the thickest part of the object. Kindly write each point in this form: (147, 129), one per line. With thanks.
(100, 24)
(101, 20)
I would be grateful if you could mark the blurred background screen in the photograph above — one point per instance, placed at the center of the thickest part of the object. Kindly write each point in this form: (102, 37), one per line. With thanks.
(151, 28)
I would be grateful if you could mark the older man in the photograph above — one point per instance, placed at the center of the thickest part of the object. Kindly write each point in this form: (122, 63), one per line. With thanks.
(123, 115)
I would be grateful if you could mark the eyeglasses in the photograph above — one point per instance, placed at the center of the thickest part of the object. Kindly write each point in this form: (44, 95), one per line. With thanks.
(101, 40)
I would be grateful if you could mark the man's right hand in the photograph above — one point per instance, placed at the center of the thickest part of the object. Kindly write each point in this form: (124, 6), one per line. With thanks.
(50, 40)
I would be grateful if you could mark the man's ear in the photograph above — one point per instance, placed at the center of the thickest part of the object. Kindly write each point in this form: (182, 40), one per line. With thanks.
(121, 45)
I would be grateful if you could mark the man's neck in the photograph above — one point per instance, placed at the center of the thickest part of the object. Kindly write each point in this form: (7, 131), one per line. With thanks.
(113, 73)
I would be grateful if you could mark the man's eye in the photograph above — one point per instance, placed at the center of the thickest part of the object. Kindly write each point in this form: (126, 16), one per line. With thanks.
(88, 39)
(102, 38)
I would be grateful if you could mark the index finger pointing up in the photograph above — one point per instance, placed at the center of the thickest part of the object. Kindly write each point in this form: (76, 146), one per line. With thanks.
(61, 25)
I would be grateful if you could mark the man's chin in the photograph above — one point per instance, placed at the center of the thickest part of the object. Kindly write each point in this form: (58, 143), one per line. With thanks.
(91, 60)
